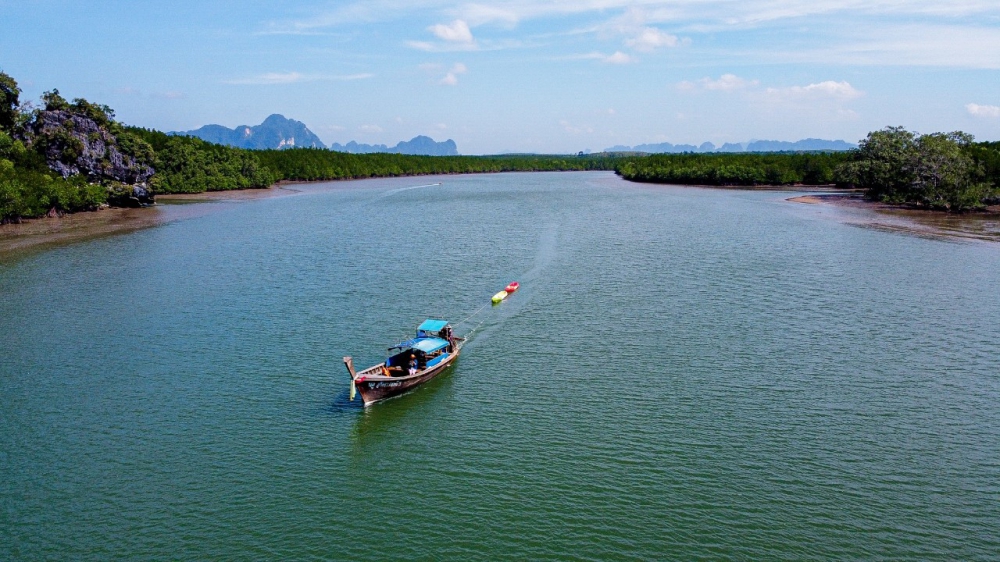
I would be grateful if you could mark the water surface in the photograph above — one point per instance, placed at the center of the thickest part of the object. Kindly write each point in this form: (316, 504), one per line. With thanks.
(685, 373)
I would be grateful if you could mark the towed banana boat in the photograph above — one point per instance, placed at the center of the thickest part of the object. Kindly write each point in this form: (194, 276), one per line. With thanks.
(410, 363)
(499, 297)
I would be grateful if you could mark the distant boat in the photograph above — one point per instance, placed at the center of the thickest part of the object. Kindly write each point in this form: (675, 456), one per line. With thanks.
(410, 363)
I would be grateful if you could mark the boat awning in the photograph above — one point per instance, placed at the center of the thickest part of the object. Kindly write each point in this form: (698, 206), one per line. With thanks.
(427, 345)
(430, 325)
(430, 345)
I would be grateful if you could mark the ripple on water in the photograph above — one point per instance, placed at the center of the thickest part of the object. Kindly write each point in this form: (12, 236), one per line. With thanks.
(685, 373)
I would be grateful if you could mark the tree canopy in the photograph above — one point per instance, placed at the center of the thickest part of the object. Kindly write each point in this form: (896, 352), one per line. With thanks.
(937, 171)
(9, 102)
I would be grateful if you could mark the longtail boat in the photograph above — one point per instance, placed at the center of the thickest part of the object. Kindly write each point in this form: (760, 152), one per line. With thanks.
(410, 363)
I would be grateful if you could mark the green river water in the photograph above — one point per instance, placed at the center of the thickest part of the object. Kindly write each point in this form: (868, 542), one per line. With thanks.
(685, 374)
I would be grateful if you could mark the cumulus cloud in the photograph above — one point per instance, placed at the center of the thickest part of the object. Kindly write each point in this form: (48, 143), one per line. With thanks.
(983, 110)
(828, 89)
(617, 57)
(451, 78)
(725, 83)
(649, 39)
(457, 32)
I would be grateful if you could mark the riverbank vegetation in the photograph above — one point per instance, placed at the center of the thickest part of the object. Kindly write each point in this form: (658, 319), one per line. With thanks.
(63, 156)
(945, 171)
(741, 169)
(941, 171)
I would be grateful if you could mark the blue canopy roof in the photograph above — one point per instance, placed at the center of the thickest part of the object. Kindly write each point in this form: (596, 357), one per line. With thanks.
(427, 345)
(430, 345)
(432, 325)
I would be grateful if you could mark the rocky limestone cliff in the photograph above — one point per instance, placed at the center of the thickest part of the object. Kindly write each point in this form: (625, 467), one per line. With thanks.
(76, 144)
(275, 132)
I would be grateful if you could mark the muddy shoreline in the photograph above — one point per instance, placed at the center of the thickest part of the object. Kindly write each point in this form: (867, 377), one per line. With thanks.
(974, 226)
(46, 232)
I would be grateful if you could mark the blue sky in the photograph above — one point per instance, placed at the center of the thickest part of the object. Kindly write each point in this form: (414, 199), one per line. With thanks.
(519, 75)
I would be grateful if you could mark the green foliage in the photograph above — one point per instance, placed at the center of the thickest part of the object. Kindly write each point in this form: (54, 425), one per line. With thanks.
(53, 101)
(30, 193)
(303, 164)
(191, 165)
(937, 171)
(9, 102)
(726, 169)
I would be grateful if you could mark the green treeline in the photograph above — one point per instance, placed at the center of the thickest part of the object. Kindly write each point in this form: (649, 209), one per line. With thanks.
(944, 171)
(71, 156)
(63, 157)
(302, 164)
(740, 169)
(191, 165)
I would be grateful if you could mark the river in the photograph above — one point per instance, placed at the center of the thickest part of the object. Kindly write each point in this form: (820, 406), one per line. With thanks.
(685, 373)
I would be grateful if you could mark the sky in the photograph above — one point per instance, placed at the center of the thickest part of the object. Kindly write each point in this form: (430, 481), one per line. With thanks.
(554, 76)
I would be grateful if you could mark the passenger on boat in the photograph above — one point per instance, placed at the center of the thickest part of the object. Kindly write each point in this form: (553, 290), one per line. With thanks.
(413, 364)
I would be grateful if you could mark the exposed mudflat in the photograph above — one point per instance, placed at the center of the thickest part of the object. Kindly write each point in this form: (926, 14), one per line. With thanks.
(40, 233)
(984, 225)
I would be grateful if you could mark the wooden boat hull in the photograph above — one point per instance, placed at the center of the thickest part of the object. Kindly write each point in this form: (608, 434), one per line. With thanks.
(374, 388)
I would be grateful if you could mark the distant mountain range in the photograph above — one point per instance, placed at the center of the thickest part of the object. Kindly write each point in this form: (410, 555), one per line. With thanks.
(279, 132)
(752, 146)
(275, 132)
(417, 145)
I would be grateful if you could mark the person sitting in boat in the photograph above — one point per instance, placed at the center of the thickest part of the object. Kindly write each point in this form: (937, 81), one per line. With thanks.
(413, 364)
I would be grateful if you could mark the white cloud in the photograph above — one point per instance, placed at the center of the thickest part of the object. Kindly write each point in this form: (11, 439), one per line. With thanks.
(570, 128)
(270, 78)
(725, 83)
(348, 77)
(719, 13)
(479, 14)
(457, 32)
(451, 78)
(294, 77)
(370, 129)
(650, 38)
(820, 90)
(617, 57)
(983, 110)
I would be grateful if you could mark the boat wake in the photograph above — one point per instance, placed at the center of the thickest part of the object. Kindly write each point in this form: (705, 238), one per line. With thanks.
(402, 189)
